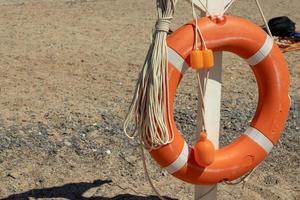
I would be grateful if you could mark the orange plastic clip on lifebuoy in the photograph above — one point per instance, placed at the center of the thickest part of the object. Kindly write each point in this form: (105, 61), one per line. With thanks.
(250, 42)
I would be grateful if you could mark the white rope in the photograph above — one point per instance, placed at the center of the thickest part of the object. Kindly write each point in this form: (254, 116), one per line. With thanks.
(263, 17)
(201, 95)
(150, 103)
(203, 6)
(197, 29)
(196, 24)
(227, 6)
(244, 179)
(202, 89)
(147, 173)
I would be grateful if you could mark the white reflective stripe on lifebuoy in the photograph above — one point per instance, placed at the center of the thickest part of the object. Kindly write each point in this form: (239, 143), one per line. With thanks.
(180, 161)
(259, 138)
(175, 59)
(262, 52)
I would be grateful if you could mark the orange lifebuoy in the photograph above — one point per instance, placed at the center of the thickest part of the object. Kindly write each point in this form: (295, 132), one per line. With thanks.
(270, 68)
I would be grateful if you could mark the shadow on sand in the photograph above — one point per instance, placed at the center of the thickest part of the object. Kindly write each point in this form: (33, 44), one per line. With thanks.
(74, 191)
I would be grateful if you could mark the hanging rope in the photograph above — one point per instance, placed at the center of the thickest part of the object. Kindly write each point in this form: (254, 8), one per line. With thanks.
(201, 92)
(197, 29)
(148, 175)
(150, 103)
(243, 179)
(227, 6)
(263, 17)
(201, 88)
(203, 6)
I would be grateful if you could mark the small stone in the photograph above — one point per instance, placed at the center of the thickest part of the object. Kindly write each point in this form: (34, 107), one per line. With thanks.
(108, 152)
(41, 180)
(67, 143)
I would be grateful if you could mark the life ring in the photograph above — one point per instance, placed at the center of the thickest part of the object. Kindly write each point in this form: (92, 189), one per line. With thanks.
(250, 42)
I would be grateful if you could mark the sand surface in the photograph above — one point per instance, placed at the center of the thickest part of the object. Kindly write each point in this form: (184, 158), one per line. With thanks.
(67, 75)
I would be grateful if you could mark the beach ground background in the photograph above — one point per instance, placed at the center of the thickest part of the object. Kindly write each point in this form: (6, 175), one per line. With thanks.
(67, 74)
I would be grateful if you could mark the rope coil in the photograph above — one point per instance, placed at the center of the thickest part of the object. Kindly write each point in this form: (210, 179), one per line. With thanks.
(150, 101)
(163, 24)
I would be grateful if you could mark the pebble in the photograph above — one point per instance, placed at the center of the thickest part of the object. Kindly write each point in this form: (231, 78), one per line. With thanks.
(67, 143)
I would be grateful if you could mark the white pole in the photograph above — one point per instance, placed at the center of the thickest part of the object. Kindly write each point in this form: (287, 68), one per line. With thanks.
(212, 99)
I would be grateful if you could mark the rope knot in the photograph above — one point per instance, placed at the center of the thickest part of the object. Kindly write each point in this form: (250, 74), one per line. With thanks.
(163, 24)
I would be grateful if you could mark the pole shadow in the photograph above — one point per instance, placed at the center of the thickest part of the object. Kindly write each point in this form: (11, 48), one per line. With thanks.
(75, 191)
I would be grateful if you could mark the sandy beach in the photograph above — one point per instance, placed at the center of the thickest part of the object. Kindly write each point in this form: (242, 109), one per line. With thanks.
(68, 70)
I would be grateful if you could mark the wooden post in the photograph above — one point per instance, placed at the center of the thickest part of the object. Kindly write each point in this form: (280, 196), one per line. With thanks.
(212, 99)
